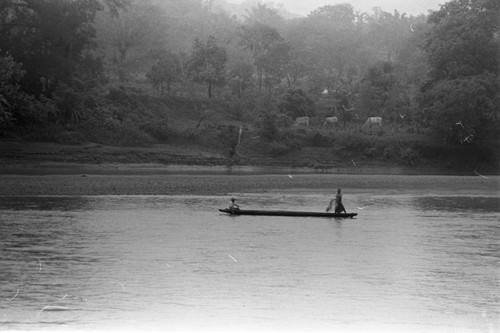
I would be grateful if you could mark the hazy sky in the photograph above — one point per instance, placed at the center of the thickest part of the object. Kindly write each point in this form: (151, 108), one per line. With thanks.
(411, 7)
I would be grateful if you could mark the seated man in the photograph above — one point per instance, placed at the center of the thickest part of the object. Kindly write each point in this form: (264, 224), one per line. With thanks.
(233, 206)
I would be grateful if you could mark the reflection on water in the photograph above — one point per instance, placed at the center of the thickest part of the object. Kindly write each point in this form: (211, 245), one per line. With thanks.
(406, 263)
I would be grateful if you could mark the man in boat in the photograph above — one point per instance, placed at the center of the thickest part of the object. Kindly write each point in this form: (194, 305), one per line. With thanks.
(339, 207)
(233, 206)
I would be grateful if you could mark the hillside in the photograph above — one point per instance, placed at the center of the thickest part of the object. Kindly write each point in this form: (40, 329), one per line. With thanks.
(175, 131)
(178, 82)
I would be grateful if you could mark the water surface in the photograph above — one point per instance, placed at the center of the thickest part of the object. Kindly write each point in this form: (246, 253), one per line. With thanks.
(410, 262)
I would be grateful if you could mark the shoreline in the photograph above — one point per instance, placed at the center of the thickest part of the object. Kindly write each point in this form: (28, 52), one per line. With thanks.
(225, 184)
(37, 158)
(58, 168)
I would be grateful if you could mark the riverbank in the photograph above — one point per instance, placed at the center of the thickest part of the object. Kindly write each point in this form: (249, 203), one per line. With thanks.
(28, 158)
(196, 184)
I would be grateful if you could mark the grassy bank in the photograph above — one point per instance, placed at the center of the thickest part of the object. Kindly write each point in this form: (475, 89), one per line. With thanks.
(131, 127)
(15, 154)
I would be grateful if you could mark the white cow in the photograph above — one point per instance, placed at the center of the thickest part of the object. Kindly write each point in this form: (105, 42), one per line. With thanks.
(373, 120)
(330, 120)
(301, 121)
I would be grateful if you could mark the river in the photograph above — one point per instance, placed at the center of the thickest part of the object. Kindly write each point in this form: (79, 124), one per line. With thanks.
(411, 261)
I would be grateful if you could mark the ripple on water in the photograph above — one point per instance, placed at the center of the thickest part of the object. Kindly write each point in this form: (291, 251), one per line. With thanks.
(408, 261)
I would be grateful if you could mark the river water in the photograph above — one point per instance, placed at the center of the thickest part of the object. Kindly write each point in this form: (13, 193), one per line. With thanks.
(409, 262)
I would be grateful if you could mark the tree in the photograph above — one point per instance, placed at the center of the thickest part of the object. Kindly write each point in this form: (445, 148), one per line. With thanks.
(50, 39)
(207, 63)
(10, 74)
(328, 45)
(295, 70)
(166, 71)
(334, 39)
(463, 109)
(375, 91)
(194, 18)
(17, 107)
(114, 5)
(388, 32)
(270, 52)
(296, 103)
(240, 77)
(274, 63)
(462, 89)
(131, 34)
(461, 41)
(264, 14)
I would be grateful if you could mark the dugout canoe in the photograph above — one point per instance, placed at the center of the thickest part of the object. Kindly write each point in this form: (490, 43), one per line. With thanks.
(286, 213)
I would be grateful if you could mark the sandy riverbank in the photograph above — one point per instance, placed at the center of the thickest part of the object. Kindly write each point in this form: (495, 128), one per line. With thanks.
(182, 184)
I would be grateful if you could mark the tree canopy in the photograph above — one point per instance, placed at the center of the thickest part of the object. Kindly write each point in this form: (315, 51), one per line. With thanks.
(438, 72)
(207, 62)
(461, 94)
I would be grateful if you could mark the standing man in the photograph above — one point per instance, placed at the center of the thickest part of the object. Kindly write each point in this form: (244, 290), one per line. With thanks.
(339, 207)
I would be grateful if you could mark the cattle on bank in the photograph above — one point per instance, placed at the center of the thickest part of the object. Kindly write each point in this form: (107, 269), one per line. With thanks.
(374, 120)
(330, 121)
(301, 121)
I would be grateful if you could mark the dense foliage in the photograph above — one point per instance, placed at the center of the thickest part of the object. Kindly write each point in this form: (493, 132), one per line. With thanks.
(461, 94)
(138, 72)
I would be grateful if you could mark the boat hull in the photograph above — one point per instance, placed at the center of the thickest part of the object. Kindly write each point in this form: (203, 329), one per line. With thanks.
(286, 213)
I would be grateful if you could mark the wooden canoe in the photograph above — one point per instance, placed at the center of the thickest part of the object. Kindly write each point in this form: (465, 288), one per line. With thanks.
(285, 213)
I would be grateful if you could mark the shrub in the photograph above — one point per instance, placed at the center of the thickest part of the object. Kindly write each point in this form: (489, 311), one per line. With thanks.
(391, 151)
(319, 140)
(409, 156)
(228, 136)
(158, 130)
(268, 129)
(294, 139)
(352, 142)
(296, 103)
(275, 148)
(370, 152)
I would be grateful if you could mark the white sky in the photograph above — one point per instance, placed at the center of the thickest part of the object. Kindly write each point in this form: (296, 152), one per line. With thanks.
(410, 7)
